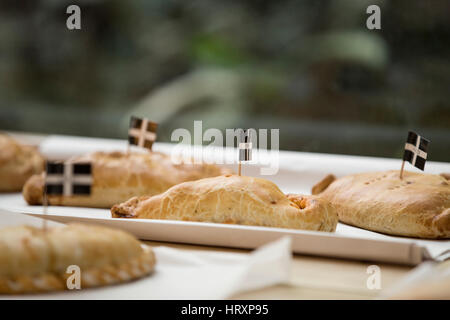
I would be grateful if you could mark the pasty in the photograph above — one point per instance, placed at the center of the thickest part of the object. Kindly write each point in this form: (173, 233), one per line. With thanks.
(416, 206)
(33, 260)
(17, 163)
(119, 176)
(233, 199)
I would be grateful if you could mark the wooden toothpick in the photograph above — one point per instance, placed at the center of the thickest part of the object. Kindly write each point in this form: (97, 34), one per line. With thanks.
(240, 168)
(45, 204)
(401, 170)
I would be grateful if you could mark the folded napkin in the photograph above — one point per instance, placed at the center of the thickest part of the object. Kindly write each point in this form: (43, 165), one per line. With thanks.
(215, 275)
(430, 280)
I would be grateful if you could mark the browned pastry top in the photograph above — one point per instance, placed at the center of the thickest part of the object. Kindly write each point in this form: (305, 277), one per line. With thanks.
(17, 163)
(417, 205)
(119, 176)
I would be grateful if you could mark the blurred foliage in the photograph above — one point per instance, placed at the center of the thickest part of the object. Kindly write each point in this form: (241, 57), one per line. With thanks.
(310, 68)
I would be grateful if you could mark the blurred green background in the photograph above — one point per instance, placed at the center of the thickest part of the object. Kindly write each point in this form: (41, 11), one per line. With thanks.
(310, 68)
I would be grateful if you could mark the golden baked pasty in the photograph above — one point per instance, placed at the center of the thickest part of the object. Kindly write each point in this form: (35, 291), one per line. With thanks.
(17, 164)
(416, 206)
(33, 260)
(119, 176)
(233, 199)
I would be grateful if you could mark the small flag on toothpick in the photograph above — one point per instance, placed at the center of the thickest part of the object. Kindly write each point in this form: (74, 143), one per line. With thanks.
(142, 132)
(245, 147)
(66, 179)
(416, 148)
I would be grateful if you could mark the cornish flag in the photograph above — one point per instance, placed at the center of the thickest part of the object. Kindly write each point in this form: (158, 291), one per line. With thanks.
(245, 145)
(416, 150)
(142, 132)
(68, 179)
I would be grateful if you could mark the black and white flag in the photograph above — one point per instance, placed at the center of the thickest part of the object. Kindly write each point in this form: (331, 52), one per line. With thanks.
(68, 178)
(142, 132)
(245, 145)
(416, 150)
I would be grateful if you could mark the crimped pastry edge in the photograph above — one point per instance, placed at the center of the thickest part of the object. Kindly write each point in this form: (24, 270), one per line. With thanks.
(94, 277)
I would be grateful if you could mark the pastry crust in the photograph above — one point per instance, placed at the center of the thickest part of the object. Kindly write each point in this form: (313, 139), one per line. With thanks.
(416, 206)
(17, 164)
(323, 184)
(119, 176)
(33, 260)
(233, 199)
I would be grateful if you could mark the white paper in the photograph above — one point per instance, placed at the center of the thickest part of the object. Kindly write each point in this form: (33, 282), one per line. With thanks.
(436, 248)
